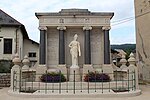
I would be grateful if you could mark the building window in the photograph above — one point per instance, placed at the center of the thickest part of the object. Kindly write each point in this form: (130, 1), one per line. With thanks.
(32, 54)
(7, 46)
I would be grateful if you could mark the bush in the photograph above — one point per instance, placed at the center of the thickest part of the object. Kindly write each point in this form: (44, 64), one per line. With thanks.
(53, 77)
(5, 66)
(96, 77)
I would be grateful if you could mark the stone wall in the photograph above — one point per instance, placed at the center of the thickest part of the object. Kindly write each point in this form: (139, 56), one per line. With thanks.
(97, 45)
(52, 47)
(4, 79)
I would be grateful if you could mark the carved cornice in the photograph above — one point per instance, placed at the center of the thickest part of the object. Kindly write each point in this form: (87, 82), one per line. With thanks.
(42, 28)
(87, 28)
(77, 21)
(106, 28)
(61, 28)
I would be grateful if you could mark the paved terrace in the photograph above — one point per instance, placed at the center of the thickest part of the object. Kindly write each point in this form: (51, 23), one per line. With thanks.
(144, 96)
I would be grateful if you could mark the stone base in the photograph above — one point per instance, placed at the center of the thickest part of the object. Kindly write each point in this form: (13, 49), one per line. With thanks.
(108, 68)
(74, 74)
(63, 69)
(41, 69)
(87, 67)
(53, 71)
(25, 68)
(78, 96)
(15, 73)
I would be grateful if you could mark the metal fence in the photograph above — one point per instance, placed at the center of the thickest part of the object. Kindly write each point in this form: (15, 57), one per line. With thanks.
(30, 82)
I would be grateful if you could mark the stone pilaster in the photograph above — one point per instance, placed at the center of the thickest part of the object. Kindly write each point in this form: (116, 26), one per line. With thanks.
(87, 45)
(61, 44)
(42, 53)
(133, 70)
(106, 45)
(16, 73)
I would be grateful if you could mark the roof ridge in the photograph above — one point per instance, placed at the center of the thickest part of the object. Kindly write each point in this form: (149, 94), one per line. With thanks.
(7, 20)
(10, 17)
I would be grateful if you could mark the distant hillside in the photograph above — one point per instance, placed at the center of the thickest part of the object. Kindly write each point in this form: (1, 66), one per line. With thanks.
(125, 47)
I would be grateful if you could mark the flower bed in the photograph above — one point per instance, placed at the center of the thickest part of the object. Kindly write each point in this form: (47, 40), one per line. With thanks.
(96, 77)
(53, 77)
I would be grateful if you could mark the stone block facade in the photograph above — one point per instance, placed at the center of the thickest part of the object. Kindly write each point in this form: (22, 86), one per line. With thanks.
(57, 31)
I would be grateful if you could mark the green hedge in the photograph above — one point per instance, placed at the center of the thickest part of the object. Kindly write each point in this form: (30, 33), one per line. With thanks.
(5, 66)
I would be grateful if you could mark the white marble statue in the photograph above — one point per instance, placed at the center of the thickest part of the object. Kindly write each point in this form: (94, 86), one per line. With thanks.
(75, 51)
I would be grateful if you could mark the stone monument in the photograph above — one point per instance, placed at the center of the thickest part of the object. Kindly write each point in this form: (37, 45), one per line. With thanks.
(75, 52)
(61, 55)
(56, 32)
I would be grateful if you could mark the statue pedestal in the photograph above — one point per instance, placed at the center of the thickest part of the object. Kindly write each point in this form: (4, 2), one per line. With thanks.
(74, 74)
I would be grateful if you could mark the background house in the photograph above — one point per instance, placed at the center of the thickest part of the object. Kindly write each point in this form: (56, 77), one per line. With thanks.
(31, 49)
(116, 55)
(14, 39)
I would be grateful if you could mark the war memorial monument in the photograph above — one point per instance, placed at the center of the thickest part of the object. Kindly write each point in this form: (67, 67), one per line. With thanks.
(74, 59)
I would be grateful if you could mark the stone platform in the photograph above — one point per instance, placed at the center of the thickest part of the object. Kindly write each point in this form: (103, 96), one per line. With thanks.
(78, 94)
(51, 90)
(76, 85)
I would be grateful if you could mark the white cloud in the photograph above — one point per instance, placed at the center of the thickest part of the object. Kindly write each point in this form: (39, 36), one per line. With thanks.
(24, 11)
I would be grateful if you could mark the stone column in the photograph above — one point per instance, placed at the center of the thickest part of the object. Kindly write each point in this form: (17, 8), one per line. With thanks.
(106, 45)
(87, 44)
(16, 73)
(133, 72)
(61, 44)
(42, 52)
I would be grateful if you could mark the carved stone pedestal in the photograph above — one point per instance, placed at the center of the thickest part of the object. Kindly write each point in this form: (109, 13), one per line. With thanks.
(74, 74)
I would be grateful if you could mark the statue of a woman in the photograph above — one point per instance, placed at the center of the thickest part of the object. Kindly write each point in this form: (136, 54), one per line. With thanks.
(75, 51)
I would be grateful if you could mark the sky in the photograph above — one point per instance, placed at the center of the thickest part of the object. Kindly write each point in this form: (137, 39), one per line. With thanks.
(122, 30)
